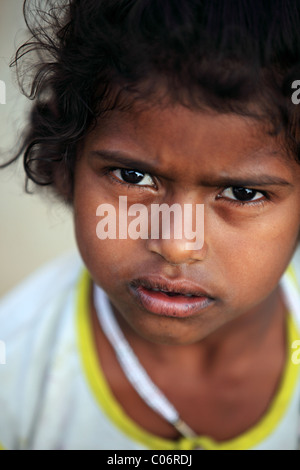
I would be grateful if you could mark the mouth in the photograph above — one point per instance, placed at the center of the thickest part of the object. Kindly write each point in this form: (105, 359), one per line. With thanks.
(179, 299)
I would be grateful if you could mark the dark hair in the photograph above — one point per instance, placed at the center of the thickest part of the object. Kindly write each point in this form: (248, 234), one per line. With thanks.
(92, 56)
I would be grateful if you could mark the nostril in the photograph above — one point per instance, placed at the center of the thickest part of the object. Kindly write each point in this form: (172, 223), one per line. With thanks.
(175, 252)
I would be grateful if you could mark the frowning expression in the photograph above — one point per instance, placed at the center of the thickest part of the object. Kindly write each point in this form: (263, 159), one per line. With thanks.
(251, 194)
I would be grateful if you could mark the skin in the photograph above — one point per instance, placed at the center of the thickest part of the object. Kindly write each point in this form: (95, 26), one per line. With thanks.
(222, 352)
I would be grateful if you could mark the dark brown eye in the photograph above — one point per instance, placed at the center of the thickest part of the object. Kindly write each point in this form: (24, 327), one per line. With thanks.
(134, 177)
(241, 194)
(244, 194)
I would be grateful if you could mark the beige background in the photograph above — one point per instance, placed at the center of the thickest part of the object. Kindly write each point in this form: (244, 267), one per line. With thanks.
(33, 230)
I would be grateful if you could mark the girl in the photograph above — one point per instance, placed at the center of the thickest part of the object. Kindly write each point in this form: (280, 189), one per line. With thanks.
(147, 342)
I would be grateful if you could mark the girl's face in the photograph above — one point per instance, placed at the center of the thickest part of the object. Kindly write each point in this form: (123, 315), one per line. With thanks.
(251, 195)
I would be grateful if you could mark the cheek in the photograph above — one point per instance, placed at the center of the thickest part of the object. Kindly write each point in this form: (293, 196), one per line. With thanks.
(252, 258)
(109, 261)
(85, 231)
(94, 252)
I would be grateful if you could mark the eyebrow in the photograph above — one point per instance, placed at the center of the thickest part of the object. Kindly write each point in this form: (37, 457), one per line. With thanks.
(255, 181)
(119, 157)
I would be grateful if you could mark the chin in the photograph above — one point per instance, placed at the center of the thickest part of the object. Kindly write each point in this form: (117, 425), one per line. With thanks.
(164, 336)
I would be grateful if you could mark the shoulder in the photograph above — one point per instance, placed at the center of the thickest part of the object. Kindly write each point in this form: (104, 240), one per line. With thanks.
(33, 318)
(35, 306)
(296, 264)
(26, 302)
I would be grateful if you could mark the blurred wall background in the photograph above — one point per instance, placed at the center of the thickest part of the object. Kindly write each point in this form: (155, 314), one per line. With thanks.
(33, 229)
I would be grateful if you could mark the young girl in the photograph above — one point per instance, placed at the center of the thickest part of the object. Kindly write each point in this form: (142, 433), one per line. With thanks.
(151, 342)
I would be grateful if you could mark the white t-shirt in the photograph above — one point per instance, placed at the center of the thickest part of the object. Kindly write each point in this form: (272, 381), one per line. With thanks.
(54, 395)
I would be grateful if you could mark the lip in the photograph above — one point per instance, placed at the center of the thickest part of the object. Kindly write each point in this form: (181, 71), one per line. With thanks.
(185, 298)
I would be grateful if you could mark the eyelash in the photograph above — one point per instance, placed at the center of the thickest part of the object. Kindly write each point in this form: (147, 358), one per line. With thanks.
(259, 202)
(116, 180)
(235, 202)
(256, 202)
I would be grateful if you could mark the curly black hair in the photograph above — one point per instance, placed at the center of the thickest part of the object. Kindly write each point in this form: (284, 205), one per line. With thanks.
(87, 57)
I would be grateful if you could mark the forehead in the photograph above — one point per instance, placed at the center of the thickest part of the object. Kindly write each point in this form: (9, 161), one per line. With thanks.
(178, 136)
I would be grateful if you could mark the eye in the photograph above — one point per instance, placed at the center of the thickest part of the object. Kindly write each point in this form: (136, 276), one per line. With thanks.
(242, 195)
(134, 177)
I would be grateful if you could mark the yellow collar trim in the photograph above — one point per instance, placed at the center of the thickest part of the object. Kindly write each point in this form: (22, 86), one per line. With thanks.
(116, 414)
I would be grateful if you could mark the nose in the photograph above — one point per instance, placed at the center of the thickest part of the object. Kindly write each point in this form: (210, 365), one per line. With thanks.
(175, 251)
(178, 239)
